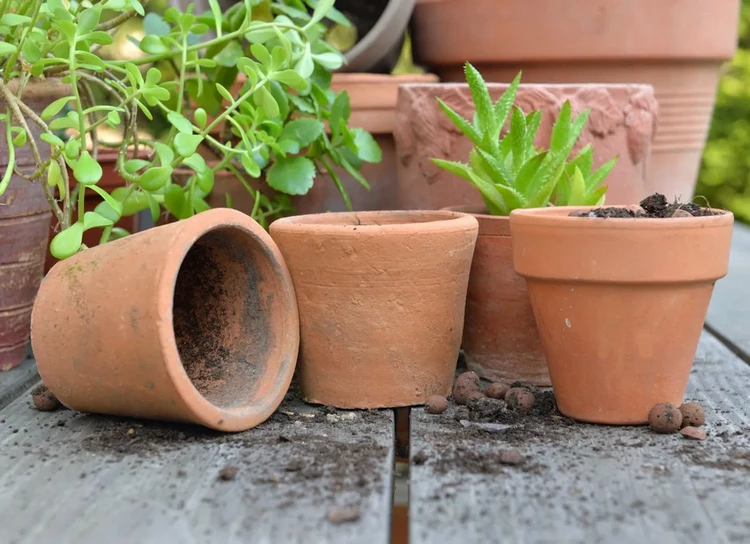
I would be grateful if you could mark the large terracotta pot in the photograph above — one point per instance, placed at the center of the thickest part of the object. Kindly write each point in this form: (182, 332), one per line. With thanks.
(621, 123)
(500, 338)
(373, 99)
(381, 298)
(667, 44)
(195, 321)
(24, 231)
(620, 304)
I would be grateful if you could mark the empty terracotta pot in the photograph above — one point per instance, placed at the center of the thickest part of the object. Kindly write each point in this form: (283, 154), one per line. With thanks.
(381, 298)
(619, 304)
(621, 123)
(500, 339)
(195, 321)
(665, 43)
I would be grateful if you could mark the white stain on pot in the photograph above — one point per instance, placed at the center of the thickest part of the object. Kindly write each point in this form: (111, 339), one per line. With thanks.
(567, 322)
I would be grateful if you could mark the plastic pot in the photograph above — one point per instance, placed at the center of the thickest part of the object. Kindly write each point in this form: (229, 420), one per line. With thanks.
(619, 304)
(195, 321)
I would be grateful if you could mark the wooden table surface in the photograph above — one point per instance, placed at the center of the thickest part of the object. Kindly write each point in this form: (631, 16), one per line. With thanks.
(312, 474)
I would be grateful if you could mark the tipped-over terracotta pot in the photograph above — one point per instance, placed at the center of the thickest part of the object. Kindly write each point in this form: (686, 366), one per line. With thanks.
(620, 304)
(195, 321)
(500, 339)
(381, 298)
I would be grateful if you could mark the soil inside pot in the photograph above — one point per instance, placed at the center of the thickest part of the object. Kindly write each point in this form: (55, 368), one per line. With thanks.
(655, 206)
(219, 318)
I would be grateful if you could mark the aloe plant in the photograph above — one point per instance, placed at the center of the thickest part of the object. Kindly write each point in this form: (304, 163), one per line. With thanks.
(510, 172)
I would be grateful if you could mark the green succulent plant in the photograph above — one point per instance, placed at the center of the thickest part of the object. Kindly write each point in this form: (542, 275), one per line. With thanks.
(509, 171)
(274, 123)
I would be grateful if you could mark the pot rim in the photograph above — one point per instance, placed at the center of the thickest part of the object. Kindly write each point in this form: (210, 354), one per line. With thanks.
(200, 408)
(560, 217)
(647, 87)
(341, 223)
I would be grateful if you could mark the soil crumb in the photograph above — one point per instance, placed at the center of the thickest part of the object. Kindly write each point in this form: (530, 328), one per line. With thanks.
(655, 206)
(340, 515)
(228, 473)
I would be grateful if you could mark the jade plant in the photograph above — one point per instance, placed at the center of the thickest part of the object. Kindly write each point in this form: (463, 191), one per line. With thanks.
(508, 170)
(274, 124)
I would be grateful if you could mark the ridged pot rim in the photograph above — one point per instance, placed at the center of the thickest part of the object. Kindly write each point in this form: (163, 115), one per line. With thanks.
(400, 222)
(645, 87)
(559, 216)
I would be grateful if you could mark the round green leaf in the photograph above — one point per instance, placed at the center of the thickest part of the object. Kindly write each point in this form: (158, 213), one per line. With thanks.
(87, 171)
(154, 179)
(20, 139)
(292, 175)
(180, 123)
(67, 242)
(56, 106)
(54, 174)
(201, 119)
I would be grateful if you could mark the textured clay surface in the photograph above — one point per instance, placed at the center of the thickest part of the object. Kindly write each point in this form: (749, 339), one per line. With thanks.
(621, 123)
(381, 298)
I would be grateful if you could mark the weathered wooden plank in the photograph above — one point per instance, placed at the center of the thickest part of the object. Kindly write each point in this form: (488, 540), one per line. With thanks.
(587, 483)
(15, 382)
(729, 313)
(91, 479)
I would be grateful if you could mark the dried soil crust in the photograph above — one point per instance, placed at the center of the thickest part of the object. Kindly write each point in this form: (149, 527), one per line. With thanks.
(652, 207)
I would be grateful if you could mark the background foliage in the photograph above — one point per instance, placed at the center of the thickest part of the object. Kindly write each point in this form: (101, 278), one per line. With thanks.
(725, 173)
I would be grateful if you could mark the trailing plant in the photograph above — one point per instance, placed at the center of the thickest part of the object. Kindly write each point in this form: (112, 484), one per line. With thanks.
(274, 123)
(508, 170)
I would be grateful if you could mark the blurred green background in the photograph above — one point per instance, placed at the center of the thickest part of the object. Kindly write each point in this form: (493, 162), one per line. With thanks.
(725, 172)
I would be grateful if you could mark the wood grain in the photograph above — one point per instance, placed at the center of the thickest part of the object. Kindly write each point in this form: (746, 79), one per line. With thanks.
(71, 477)
(588, 483)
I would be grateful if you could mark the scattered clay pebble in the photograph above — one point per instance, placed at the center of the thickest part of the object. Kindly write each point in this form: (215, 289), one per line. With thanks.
(227, 473)
(466, 384)
(519, 399)
(511, 457)
(420, 457)
(665, 418)
(436, 404)
(44, 399)
(693, 432)
(679, 212)
(692, 414)
(338, 516)
(497, 390)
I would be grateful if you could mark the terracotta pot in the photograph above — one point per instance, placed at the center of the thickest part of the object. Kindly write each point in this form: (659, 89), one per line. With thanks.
(373, 100)
(24, 230)
(666, 44)
(110, 181)
(195, 321)
(381, 298)
(621, 123)
(500, 338)
(620, 304)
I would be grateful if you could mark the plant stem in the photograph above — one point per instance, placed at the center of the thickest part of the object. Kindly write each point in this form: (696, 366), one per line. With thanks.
(8, 175)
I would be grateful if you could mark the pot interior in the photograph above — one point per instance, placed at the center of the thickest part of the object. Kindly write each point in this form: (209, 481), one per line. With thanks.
(220, 318)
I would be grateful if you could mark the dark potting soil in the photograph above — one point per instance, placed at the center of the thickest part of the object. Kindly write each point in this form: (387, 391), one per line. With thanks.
(655, 206)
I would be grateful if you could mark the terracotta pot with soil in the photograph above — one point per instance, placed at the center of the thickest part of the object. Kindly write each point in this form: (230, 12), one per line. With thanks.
(500, 338)
(381, 298)
(195, 321)
(621, 123)
(666, 44)
(620, 299)
(24, 232)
